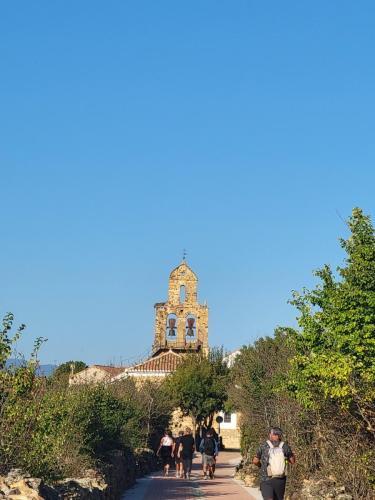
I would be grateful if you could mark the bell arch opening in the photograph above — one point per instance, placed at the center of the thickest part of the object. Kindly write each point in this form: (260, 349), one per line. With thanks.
(190, 328)
(171, 329)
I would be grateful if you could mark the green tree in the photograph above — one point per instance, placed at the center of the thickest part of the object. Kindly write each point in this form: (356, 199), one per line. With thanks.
(336, 344)
(199, 386)
(151, 411)
(63, 371)
(6, 340)
(257, 387)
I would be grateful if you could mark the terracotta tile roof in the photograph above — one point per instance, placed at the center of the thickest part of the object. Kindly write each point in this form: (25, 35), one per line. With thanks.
(111, 370)
(165, 362)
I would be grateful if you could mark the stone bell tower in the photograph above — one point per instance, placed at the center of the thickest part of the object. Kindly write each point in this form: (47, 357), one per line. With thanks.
(181, 323)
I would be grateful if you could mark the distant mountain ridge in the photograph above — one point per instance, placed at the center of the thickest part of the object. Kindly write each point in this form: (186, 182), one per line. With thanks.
(43, 370)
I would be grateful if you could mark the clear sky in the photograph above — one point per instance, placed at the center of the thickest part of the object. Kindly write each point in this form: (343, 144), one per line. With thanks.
(242, 131)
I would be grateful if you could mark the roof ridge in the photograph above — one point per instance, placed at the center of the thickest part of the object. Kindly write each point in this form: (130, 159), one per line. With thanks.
(170, 351)
(162, 362)
(184, 263)
(105, 366)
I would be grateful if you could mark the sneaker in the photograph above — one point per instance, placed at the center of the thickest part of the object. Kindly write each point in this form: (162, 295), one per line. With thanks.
(205, 477)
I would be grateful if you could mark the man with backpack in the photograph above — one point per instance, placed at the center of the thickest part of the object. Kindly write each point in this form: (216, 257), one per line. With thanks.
(272, 458)
(217, 440)
(209, 449)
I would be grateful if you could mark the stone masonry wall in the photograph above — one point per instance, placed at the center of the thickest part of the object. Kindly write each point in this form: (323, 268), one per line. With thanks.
(181, 276)
(109, 483)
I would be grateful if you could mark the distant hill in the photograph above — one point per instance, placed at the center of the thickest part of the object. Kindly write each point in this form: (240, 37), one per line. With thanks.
(43, 370)
(46, 370)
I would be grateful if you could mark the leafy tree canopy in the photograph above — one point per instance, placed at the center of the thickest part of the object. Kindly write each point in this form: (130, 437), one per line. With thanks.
(61, 375)
(199, 385)
(68, 367)
(336, 344)
(6, 340)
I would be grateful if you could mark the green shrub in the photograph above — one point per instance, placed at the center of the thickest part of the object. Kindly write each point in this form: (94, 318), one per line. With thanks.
(52, 430)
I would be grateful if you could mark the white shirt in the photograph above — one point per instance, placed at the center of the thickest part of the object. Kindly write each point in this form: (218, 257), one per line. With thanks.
(166, 441)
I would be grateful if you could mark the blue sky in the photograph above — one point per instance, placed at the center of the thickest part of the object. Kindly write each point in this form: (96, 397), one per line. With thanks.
(242, 131)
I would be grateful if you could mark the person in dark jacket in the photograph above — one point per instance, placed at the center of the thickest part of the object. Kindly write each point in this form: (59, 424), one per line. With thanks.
(186, 452)
(272, 457)
(177, 458)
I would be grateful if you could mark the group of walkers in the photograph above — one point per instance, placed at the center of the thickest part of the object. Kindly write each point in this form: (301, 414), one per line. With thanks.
(272, 458)
(179, 452)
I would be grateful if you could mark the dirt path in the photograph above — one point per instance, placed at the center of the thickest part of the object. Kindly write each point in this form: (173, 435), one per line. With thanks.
(157, 487)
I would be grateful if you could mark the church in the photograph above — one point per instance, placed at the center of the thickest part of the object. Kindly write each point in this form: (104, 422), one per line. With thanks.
(181, 326)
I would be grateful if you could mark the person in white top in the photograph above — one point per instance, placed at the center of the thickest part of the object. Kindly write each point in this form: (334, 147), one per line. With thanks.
(165, 450)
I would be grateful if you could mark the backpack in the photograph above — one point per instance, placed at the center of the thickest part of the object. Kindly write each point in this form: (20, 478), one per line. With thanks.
(276, 460)
(209, 447)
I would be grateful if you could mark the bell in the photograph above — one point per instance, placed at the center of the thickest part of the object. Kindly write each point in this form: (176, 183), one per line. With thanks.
(190, 322)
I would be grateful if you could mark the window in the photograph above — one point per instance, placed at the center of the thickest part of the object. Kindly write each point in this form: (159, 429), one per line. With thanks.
(182, 294)
(227, 418)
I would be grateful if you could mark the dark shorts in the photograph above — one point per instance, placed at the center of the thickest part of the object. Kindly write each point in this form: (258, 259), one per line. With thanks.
(273, 488)
(187, 463)
(166, 455)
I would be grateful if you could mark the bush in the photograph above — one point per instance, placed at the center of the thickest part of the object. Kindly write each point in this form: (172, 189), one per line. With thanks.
(52, 430)
(318, 382)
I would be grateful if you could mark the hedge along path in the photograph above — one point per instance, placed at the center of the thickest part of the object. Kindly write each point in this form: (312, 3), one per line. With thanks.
(157, 487)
